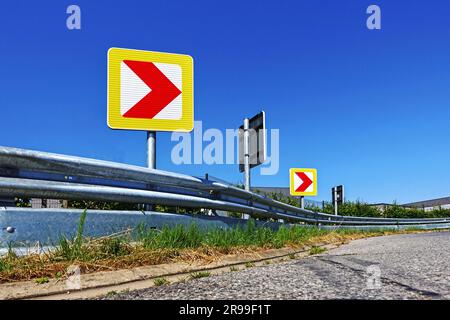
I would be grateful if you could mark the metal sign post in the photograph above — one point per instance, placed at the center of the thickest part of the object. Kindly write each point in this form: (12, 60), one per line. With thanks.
(151, 158)
(337, 195)
(252, 146)
(302, 202)
(246, 155)
(335, 204)
(246, 160)
(151, 149)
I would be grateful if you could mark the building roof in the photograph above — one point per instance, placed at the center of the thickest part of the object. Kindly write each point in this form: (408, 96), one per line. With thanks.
(286, 192)
(429, 203)
(283, 190)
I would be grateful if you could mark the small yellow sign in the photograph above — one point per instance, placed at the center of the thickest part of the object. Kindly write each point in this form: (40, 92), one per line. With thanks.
(303, 182)
(151, 91)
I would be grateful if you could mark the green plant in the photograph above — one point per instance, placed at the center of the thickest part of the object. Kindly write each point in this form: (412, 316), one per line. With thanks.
(111, 294)
(291, 255)
(249, 264)
(72, 249)
(22, 202)
(114, 247)
(102, 205)
(42, 280)
(200, 274)
(233, 268)
(160, 282)
(317, 250)
(4, 265)
(148, 246)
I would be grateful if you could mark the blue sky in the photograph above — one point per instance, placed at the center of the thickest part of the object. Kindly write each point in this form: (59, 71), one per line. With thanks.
(368, 109)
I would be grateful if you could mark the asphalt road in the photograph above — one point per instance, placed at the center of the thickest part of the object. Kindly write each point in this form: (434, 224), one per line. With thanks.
(412, 266)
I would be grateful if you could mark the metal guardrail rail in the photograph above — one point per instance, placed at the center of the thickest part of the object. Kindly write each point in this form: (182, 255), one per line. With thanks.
(26, 173)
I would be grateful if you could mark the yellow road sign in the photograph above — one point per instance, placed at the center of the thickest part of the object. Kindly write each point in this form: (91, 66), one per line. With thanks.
(150, 91)
(303, 182)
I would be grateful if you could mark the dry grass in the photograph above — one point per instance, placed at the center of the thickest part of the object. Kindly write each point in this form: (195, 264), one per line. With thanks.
(108, 254)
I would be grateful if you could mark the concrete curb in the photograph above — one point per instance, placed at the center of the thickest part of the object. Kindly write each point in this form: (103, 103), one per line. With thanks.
(101, 283)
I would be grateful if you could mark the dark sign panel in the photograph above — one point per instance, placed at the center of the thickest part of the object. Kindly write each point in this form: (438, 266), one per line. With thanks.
(337, 192)
(257, 141)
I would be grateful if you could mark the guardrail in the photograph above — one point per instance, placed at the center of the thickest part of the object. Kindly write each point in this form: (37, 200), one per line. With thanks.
(26, 173)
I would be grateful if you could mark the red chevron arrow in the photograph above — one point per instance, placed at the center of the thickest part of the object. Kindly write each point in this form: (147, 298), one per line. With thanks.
(306, 182)
(163, 90)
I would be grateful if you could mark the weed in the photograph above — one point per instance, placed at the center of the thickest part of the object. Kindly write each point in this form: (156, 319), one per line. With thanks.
(114, 247)
(71, 250)
(317, 250)
(160, 282)
(233, 268)
(4, 265)
(151, 247)
(200, 274)
(111, 294)
(291, 255)
(42, 280)
(249, 264)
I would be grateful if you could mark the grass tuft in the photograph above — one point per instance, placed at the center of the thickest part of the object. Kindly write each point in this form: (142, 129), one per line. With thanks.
(146, 246)
(42, 280)
(200, 274)
(317, 250)
(160, 282)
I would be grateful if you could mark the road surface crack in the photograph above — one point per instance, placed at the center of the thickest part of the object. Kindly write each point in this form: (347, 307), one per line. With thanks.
(425, 293)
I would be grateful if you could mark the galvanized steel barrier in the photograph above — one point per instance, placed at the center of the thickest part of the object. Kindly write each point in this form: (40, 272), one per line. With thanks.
(26, 173)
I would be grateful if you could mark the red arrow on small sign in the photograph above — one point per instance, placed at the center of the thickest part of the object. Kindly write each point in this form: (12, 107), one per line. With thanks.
(163, 91)
(306, 182)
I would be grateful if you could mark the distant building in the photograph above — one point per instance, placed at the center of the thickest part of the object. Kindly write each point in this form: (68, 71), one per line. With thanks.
(268, 190)
(382, 206)
(428, 205)
(48, 203)
(7, 202)
(36, 203)
(285, 191)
